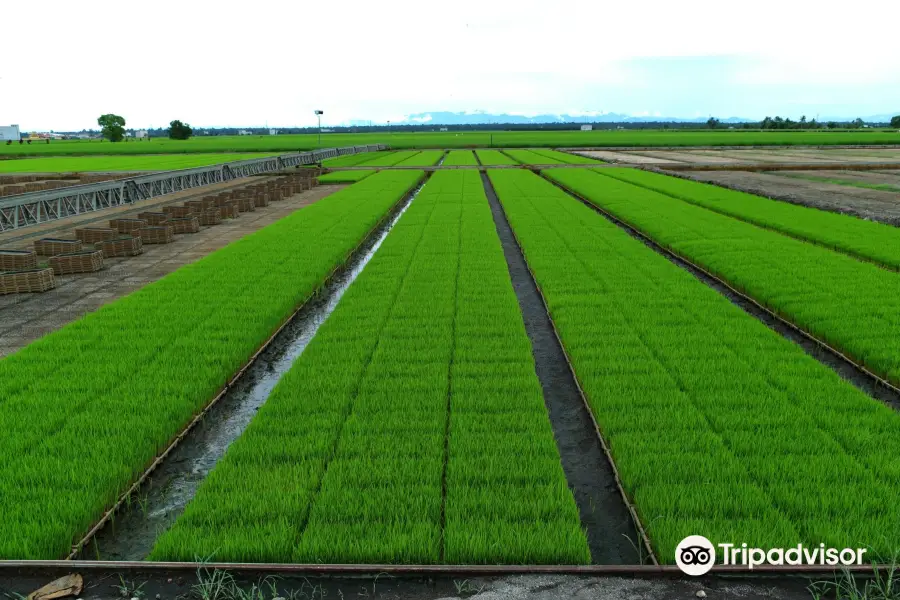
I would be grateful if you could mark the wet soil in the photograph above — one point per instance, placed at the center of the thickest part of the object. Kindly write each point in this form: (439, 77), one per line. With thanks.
(868, 204)
(848, 371)
(108, 584)
(135, 528)
(612, 536)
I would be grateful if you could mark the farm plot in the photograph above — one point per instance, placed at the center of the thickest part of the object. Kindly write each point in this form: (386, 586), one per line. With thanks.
(344, 177)
(388, 160)
(718, 426)
(351, 160)
(94, 402)
(460, 158)
(494, 157)
(565, 157)
(68, 164)
(425, 158)
(411, 430)
(876, 242)
(852, 305)
(530, 157)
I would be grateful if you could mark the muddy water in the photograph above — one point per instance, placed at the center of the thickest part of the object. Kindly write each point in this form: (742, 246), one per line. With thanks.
(134, 530)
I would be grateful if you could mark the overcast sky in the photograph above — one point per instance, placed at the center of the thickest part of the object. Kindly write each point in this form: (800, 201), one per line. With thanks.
(65, 62)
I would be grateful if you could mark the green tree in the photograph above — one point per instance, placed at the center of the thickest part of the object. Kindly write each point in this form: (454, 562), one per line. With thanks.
(832, 125)
(179, 130)
(113, 127)
(712, 123)
(857, 123)
(895, 121)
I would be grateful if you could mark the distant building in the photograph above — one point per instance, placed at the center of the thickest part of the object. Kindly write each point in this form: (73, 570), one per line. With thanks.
(587, 127)
(140, 133)
(10, 133)
(443, 129)
(244, 132)
(273, 132)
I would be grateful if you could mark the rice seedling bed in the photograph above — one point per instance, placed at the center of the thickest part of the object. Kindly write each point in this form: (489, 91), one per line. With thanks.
(531, 157)
(717, 425)
(457, 158)
(868, 240)
(494, 157)
(388, 160)
(396, 445)
(351, 160)
(85, 429)
(425, 158)
(344, 177)
(851, 305)
(565, 157)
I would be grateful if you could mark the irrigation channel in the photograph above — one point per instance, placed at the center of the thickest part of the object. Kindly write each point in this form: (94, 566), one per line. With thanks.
(613, 536)
(131, 533)
(857, 375)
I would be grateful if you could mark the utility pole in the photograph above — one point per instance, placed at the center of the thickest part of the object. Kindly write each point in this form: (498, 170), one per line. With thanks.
(319, 114)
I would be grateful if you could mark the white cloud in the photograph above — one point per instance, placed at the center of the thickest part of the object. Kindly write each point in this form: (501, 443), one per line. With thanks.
(278, 60)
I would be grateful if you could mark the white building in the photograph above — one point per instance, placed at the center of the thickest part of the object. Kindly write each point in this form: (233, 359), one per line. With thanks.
(140, 133)
(10, 133)
(443, 129)
(587, 127)
(243, 132)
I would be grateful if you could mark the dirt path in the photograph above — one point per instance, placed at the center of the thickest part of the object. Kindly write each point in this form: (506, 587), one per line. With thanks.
(602, 510)
(865, 203)
(26, 317)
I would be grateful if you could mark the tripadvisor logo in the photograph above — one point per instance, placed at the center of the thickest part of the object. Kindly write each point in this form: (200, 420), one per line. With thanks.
(696, 555)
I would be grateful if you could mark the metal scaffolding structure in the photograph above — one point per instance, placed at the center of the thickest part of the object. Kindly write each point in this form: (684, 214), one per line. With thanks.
(39, 207)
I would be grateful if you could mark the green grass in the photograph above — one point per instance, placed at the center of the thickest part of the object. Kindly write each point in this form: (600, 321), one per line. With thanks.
(344, 176)
(718, 426)
(852, 305)
(119, 163)
(494, 157)
(467, 139)
(422, 375)
(87, 407)
(460, 158)
(881, 187)
(868, 240)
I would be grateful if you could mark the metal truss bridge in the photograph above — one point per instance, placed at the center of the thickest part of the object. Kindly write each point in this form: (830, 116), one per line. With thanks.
(39, 207)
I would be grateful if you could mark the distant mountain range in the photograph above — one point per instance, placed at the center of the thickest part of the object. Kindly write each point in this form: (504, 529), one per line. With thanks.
(483, 118)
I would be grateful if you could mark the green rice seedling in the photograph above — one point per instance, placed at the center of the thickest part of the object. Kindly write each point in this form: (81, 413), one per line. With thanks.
(718, 426)
(351, 160)
(67, 164)
(89, 406)
(494, 157)
(852, 305)
(388, 160)
(460, 158)
(344, 176)
(425, 158)
(394, 439)
(530, 157)
(868, 240)
(565, 157)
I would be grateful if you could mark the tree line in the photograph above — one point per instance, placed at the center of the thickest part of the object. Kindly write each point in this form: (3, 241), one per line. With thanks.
(112, 127)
